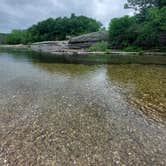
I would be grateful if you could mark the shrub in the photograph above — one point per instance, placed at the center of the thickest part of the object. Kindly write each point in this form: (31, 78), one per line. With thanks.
(147, 33)
(122, 31)
(100, 46)
(132, 49)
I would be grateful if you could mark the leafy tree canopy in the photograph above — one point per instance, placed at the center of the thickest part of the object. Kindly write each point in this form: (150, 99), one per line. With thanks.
(146, 29)
(140, 5)
(55, 29)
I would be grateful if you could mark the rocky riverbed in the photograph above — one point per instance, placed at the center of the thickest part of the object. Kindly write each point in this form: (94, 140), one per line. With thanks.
(68, 114)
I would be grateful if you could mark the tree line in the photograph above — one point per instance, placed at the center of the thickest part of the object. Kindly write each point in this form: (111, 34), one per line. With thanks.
(146, 29)
(54, 29)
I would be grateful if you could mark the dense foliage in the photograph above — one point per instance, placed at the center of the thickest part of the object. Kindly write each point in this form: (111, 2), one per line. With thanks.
(55, 29)
(3, 38)
(122, 31)
(144, 4)
(17, 37)
(146, 29)
(100, 46)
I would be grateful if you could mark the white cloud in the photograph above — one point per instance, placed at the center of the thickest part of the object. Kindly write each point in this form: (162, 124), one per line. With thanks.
(20, 14)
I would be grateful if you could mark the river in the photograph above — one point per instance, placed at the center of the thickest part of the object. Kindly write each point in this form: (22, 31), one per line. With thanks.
(79, 114)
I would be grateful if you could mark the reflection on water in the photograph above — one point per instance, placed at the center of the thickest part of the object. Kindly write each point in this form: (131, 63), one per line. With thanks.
(70, 114)
(65, 68)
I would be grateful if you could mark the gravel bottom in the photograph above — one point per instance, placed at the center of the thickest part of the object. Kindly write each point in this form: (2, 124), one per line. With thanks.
(56, 114)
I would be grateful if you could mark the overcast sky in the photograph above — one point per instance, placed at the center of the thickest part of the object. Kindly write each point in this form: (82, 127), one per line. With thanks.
(20, 14)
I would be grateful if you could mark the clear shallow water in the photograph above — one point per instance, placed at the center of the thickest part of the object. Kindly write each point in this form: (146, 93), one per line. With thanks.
(66, 114)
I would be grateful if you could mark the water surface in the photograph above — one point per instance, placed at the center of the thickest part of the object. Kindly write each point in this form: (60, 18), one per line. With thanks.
(73, 114)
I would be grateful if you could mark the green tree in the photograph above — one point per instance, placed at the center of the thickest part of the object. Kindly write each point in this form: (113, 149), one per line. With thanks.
(153, 29)
(55, 29)
(140, 5)
(122, 31)
(3, 38)
(59, 28)
(17, 37)
(147, 28)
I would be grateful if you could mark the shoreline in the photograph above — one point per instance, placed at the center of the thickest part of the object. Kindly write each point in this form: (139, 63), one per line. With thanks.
(107, 57)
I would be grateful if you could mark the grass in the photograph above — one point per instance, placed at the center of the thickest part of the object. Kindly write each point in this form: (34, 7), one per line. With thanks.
(132, 49)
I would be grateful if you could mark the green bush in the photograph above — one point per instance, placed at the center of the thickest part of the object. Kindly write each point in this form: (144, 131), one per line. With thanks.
(17, 37)
(132, 49)
(122, 31)
(100, 46)
(146, 29)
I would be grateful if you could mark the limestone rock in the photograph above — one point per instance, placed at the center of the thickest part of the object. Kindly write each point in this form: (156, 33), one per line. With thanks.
(87, 40)
(50, 46)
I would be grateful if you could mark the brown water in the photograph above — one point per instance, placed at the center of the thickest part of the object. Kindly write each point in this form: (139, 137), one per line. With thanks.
(73, 114)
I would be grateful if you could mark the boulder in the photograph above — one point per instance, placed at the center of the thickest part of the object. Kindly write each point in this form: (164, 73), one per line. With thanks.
(50, 46)
(87, 40)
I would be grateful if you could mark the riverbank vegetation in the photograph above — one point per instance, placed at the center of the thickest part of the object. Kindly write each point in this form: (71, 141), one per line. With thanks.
(100, 46)
(146, 29)
(3, 38)
(55, 29)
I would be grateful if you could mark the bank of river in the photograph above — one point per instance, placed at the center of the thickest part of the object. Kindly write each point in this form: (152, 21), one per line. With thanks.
(62, 53)
(75, 114)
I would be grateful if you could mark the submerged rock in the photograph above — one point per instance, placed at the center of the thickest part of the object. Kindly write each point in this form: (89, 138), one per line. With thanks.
(87, 40)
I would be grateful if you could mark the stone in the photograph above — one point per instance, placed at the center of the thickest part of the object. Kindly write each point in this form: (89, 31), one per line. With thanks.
(50, 46)
(87, 40)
